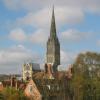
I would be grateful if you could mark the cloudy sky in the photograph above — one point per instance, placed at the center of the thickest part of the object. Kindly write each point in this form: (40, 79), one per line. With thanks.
(25, 28)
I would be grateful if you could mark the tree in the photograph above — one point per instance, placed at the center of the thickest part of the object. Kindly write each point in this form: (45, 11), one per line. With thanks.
(86, 76)
(12, 94)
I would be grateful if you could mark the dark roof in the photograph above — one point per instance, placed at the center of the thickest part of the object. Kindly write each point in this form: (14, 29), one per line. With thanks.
(36, 67)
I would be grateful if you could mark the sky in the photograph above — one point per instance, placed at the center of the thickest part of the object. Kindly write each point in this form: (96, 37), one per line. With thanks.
(25, 28)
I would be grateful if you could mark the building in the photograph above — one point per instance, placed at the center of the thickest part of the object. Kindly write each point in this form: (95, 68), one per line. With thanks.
(13, 82)
(29, 69)
(53, 46)
(32, 92)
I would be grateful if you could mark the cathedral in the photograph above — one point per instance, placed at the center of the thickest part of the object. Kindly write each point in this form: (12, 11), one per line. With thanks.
(51, 83)
(53, 46)
(52, 54)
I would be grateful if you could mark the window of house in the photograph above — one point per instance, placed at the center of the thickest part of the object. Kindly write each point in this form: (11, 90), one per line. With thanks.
(30, 88)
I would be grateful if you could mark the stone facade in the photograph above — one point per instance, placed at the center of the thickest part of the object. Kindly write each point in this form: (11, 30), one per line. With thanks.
(27, 71)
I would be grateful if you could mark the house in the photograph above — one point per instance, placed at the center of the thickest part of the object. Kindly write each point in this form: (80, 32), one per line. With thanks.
(32, 91)
(13, 82)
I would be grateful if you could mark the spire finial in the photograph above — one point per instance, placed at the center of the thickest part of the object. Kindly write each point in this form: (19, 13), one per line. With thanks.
(53, 25)
(53, 7)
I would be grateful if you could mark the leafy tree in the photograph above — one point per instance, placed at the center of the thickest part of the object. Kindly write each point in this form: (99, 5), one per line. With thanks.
(86, 77)
(12, 94)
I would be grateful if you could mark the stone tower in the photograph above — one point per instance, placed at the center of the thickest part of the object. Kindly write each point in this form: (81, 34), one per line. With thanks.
(53, 46)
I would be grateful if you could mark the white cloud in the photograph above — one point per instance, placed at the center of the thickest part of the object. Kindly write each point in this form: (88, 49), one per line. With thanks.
(88, 5)
(42, 18)
(74, 35)
(38, 15)
(13, 58)
(19, 4)
(67, 57)
(17, 35)
(98, 42)
(14, 55)
(39, 37)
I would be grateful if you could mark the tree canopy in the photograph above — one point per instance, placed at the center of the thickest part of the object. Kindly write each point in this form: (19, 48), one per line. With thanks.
(86, 76)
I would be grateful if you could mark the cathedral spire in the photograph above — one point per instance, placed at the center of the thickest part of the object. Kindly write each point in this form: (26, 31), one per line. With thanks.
(53, 25)
(53, 46)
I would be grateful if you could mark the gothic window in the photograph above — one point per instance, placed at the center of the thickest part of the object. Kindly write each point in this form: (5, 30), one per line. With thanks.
(31, 88)
(27, 67)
